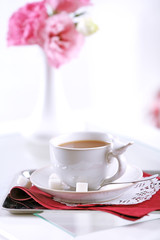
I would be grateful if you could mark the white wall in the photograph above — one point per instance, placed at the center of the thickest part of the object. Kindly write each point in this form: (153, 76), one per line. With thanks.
(113, 80)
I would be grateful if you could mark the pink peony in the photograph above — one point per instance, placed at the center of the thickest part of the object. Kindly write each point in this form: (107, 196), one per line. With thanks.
(62, 40)
(67, 5)
(26, 24)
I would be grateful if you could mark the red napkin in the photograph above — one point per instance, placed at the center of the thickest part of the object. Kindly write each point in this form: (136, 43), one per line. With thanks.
(35, 198)
(44, 200)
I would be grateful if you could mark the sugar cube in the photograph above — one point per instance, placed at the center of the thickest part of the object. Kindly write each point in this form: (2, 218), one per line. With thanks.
(81, 187)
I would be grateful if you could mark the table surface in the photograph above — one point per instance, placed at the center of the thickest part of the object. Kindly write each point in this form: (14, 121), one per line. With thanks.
(18, 154)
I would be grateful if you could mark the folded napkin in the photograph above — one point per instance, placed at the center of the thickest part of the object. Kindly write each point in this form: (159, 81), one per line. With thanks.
(34, 198)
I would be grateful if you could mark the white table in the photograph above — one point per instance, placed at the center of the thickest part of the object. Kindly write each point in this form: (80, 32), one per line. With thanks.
(16, 156)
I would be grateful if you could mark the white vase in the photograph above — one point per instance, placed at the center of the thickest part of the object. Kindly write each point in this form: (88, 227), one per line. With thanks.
(50, 112)
(52, 115)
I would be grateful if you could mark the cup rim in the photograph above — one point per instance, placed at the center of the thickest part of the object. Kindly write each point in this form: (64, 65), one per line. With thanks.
(60, 139)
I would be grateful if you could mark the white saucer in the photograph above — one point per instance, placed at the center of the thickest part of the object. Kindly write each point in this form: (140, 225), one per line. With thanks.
(40, 177)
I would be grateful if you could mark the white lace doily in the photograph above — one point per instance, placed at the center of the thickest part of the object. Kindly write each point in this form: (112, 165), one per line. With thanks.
(140, 192)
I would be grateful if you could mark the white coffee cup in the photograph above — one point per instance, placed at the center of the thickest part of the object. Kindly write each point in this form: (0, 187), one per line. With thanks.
(90, 164)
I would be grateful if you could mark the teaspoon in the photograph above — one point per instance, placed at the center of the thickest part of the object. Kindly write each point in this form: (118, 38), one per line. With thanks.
(134, 181)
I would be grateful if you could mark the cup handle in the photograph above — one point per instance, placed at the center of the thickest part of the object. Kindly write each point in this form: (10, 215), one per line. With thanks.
(122, 165)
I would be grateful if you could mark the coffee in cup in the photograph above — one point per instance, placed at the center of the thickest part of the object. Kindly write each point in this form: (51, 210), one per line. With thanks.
(86, 157)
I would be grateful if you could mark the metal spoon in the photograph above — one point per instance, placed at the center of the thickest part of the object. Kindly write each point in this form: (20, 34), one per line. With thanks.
(134, 181)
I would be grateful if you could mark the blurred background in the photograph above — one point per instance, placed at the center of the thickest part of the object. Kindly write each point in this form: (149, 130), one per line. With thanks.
(111, 85)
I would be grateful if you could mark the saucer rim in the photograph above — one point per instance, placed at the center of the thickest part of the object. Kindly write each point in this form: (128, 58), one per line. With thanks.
(119, 185)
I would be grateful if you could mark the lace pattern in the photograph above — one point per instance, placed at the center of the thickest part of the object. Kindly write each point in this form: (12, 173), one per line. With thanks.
(140, 192)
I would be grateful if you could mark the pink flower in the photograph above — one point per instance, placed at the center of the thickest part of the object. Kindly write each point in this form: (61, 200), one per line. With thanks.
(26, 24)
(67, 5)
(155, 110)
(62, 40)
